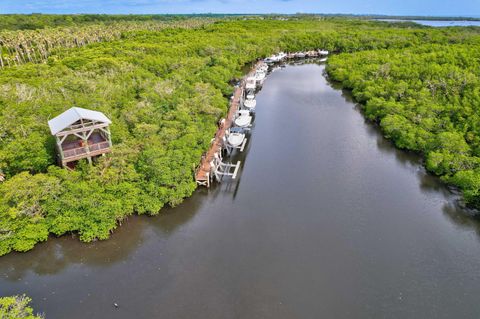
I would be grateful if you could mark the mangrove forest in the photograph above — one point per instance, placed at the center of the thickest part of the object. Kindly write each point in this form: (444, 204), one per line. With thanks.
(166, 82)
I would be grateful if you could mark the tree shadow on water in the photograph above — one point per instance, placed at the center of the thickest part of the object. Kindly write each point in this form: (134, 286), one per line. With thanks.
(464, 218)
(454, 209)
(57, 254)
(433, 184)
(171, 219)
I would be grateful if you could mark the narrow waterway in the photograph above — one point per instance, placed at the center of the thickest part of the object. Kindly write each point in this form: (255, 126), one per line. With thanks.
(327, 220)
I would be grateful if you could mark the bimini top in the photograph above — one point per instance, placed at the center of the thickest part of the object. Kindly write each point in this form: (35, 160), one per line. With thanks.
(73, 115)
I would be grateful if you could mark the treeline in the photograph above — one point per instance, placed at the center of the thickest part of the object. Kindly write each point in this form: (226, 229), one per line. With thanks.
(41, 21)
(426, 98)
(165, 91)
(35, 46)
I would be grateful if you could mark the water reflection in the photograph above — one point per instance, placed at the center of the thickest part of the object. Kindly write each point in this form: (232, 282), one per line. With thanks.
(171, 219)
(57, 254)
(455, 209)
(403, 157)
(464, 218)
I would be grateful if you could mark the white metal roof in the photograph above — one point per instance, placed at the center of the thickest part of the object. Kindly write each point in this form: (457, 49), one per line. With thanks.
(73, 115)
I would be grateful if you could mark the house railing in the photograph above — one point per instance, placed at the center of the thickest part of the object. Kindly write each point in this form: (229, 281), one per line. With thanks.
(92, 148)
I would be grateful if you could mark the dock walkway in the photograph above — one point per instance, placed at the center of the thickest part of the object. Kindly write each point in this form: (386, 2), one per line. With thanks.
(204, 170)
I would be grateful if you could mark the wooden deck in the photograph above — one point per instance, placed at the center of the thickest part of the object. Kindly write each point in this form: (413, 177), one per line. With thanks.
(73, 151)
(203, 172)
(78, 153)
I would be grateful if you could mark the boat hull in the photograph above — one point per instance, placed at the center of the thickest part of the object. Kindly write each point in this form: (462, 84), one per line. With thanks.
(243, 121)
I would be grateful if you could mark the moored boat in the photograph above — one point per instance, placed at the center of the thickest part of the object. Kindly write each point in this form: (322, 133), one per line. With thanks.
(250, 103)
(244, 119)
(276, 58)
(251, 83)
(235, 138)
(263, 68)
(260, 76)
(282, 56)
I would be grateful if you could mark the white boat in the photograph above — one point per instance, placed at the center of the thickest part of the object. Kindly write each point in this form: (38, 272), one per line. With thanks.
(282, 56)
(300, 55)
(260, 76)
(250, 96)
(272, 59)
(235, 139)
(323, 52)
(323, 59)
(251, 83)
(243, 113)
(244, 119)
(276, 58)
(250, 103)
(263, 68)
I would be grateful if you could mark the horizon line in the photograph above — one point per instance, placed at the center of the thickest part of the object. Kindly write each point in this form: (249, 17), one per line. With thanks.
(253, 14)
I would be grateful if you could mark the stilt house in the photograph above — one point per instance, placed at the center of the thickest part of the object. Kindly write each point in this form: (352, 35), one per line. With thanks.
(80, 133)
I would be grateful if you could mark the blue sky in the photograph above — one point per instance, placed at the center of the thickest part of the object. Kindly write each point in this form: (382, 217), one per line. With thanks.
(391, 7)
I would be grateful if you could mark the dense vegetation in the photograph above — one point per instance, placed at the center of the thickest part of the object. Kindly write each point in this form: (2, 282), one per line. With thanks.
(165, 90)
(426, 98)
(35, 46)
(41, 21)
(17, 307)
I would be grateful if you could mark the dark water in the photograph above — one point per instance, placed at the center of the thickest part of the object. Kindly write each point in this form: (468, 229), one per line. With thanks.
(328, 220)
(439, 23)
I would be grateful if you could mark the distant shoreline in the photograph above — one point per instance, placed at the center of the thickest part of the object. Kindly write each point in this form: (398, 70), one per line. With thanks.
(332, 15)
(425, 18)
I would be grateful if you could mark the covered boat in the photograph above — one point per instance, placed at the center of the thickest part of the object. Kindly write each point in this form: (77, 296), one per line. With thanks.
(263, 68)
(250, 103)
(251, 83)
(243, 119)
(282, 56)
(260, 76)
(235, 137)
(275, 58)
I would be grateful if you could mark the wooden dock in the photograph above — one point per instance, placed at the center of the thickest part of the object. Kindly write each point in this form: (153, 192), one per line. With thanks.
(203, 174)
(211, 164)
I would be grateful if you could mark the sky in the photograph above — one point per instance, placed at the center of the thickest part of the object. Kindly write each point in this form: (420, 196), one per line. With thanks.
(390, 7)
